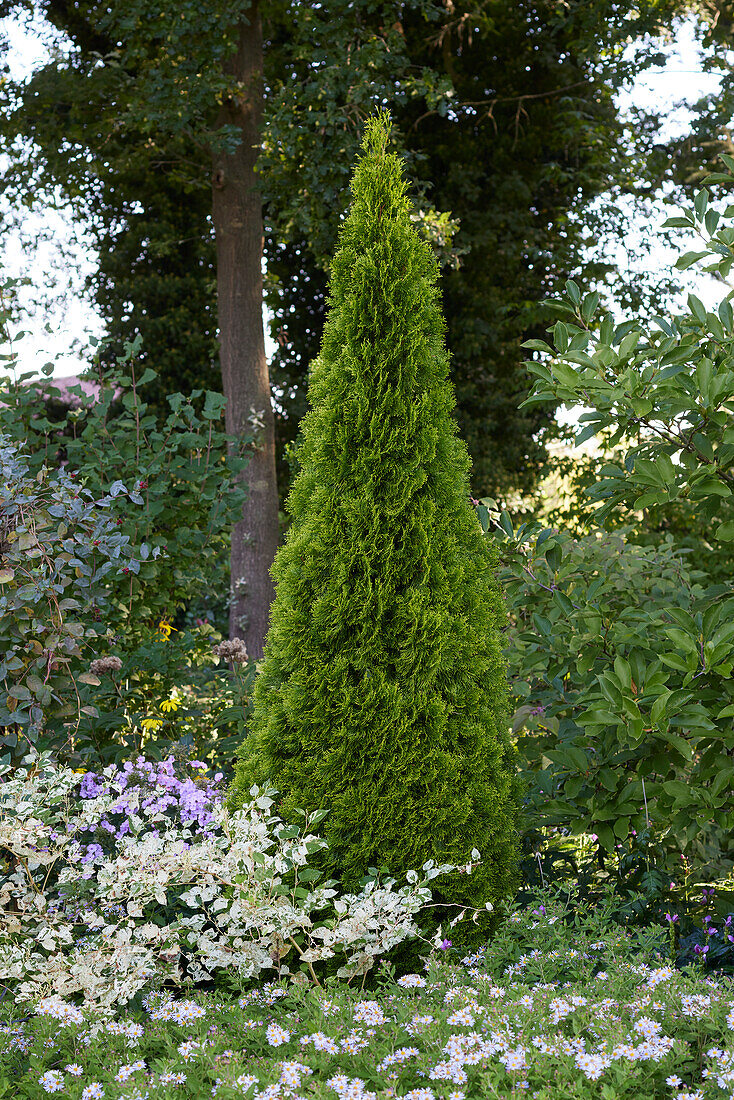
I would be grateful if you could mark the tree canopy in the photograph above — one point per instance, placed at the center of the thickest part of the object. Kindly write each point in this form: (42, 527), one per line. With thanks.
(505, 115)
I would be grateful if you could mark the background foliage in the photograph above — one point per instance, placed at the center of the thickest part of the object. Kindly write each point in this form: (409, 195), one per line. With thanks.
(130, 512)
(622, 644)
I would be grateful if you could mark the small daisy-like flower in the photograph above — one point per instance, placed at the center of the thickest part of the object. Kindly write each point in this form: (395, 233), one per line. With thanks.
(131, 1031)
(57, 1009)
(172, 1079)
(74, 1069)
(245, 1081)
(349, 1089)
(647, 1027)
(53, 1081)
(93, 1091)
(189, 1049)
(412, 981)
(320, 1042)
(124, 1072)
(449, 1071)
(276, 1035)
(370, 1013)
(180, 1012)
(592, 1065)
(513, 1060)
(354, 1041)
(291, 1074)
(696, 1005)
(397, 1057)
(417, 1024)
(461, 1018)
(673, 1081)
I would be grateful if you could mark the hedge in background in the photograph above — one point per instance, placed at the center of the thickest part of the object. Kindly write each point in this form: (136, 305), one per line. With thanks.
(382, 695)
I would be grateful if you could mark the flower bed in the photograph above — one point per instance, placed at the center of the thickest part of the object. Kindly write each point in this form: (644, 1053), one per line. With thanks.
(572, 1016)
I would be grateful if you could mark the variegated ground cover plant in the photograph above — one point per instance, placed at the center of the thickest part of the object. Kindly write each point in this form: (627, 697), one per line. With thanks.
(118, 882)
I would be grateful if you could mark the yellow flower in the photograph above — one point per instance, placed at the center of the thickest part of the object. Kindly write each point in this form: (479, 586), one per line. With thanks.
(170, 704)
(151, 724)
(164, 630)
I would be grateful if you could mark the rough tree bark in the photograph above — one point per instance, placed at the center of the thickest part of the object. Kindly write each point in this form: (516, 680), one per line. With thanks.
(237, 214)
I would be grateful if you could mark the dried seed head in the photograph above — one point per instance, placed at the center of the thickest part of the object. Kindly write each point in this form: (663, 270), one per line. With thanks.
(233, 651)
(105, 664)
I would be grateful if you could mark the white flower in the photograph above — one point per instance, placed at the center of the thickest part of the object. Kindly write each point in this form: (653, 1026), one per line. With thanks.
(370, 1013)
(52, 1081)
(57, 1009)
(647, 1027)
(696, 1005)
(276, 1035)
(592, 1065)
(245, 1081)
(461, 1018)
(412, 981)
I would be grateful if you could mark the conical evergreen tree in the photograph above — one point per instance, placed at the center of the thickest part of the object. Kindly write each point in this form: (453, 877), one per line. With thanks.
(382, 693)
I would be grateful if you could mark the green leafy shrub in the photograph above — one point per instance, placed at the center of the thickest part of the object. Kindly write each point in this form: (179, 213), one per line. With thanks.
(178, 466)
(172, 694)
(171, 490)
(59, 547)
(615, 728)
(382, 694)
(663, 386)
(622, 654)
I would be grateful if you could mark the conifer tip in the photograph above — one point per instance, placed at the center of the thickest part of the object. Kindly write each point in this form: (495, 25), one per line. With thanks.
(377, 132)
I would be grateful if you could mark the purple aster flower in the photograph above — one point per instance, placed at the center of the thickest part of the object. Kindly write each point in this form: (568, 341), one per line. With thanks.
(90, 787)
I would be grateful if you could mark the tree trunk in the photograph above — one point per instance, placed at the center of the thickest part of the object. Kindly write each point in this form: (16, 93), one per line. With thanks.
(237, 214)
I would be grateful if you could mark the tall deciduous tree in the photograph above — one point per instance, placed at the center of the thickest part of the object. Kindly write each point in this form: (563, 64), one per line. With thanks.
(382, 696)
(237, 214)
(195, 115)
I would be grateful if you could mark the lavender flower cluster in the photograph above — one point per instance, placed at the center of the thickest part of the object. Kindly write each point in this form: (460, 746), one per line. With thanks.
(182, 793)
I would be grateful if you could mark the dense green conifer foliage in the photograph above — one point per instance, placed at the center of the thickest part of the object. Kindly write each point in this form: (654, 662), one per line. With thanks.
(382, 694)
